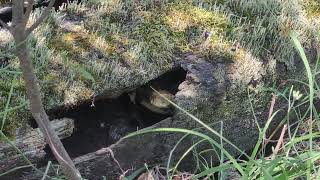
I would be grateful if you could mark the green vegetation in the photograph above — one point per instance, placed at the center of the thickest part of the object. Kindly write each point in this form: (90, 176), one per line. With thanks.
(312, 8)
(101, 46)
(294, 157)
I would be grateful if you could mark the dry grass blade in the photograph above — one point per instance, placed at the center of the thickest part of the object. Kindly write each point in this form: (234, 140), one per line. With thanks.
(280, 142)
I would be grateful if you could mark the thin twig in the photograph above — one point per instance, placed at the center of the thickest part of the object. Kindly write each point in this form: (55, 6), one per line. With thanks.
(273, 102)
(115, 160)
(280, 142)
(123, 175)
(44, 15)
(108, 149)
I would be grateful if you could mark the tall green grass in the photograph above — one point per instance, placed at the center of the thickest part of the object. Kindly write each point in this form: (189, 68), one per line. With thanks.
(4, 137)
(291, 161)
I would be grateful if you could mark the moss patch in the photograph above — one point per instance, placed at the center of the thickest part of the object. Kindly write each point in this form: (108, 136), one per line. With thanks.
(108, 45)
(312, 8)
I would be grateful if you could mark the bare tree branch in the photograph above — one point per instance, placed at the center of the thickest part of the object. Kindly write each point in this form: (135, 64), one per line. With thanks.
(20, 34)
(44, 15)
(28, 11)
(38, 112)
(17, 12)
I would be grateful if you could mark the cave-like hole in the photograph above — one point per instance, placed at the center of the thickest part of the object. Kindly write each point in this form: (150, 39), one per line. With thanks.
(111, 119)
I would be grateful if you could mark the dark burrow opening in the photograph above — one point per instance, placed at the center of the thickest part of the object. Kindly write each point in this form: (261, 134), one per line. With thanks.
(110, 119)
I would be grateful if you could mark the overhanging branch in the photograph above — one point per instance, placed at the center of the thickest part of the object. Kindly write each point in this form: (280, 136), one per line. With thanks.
(44, 15)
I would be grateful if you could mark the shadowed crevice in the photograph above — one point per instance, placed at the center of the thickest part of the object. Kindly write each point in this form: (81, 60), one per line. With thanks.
(108, 120)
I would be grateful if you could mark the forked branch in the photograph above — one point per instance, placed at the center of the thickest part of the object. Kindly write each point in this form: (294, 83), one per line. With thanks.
(44, 15)
(20, 34)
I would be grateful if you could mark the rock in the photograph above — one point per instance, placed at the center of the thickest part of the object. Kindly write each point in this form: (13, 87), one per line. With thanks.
(157, 104)
(117, 132)
(216, 93)
(5, 14)
(160, 102)
(32, 143)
